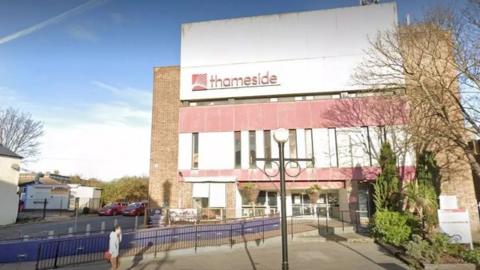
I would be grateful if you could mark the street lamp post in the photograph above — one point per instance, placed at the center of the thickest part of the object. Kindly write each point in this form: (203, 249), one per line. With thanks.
(281, 137)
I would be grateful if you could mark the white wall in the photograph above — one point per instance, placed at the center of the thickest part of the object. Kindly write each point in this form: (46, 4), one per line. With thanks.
(8, 190)
(301, 49)
(36, 194)
(185, 151)
(321, 147)
(216, 150)
(88, 196)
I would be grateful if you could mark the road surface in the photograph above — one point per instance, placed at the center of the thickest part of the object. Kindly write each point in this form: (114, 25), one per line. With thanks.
(41, 229)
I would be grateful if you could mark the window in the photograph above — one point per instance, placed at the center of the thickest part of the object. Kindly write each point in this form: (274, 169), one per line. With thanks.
(267, 142)
(333, 147)
(309, 146)
(382, 134)
(194, 150)
(252, 148)
(292, 144)
(366, 131)
(238, 149)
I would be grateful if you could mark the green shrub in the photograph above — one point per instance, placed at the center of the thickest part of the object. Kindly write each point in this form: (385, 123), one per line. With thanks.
(433, 249)
(85, 210)
(421, 250)
(472, 256)
(391, 227)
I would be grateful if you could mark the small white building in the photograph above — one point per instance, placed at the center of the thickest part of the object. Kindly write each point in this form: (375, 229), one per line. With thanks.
(87, 196)
(9, 175)
(57, 197)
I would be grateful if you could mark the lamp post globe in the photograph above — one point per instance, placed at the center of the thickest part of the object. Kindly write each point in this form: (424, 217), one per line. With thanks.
(281, 135)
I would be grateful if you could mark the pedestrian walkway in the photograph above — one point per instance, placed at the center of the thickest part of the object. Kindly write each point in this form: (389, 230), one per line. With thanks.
(303, 255)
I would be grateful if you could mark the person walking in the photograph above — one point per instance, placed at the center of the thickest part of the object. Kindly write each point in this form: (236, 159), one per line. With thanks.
(114, 246)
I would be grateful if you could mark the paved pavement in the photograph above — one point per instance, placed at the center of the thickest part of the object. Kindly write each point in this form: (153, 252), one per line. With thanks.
(61, 224)
(304, 255)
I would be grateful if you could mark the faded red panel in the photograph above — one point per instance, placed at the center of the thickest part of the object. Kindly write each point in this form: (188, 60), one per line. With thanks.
(212, 121)
(254, 116)
(193, 120)
(240, 117)
(269, 116)
(319, 114)
(302, 114)
(227, 119)
(286, 115)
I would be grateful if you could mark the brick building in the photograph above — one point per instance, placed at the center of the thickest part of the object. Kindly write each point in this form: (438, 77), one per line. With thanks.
(239, 80)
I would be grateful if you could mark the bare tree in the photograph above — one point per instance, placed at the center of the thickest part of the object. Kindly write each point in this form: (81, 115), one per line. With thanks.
(20, 133)
(436, 61)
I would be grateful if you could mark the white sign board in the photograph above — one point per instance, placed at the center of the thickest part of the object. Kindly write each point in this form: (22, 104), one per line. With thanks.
(183, 215)
(456, 223)
(448, 202)
(292, 53)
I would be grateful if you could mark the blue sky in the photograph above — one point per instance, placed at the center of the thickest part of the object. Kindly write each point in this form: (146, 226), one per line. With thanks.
(84, 68)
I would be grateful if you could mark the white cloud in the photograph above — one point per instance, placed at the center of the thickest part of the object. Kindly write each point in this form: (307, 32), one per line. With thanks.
(101, 150)
(52, 20)
(103, 140)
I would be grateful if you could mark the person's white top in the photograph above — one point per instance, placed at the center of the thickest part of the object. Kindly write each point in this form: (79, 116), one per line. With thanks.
(114, 244)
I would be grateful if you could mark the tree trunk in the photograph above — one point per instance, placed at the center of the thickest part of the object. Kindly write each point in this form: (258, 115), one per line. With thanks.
(474, 164)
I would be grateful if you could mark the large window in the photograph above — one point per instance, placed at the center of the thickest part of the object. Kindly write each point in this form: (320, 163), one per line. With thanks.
(252, 145)
(194, 150)
(292, 144)
(366, 133)
(267, 143)
(238, 149)
(333, 147)
(309, 146)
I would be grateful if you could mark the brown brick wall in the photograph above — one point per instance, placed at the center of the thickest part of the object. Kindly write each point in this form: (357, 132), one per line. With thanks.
(164, 187)
(186, 200)
(231, 199)
(457, 179)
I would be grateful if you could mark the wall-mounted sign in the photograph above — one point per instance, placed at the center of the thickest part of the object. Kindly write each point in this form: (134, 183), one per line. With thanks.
(204, 81)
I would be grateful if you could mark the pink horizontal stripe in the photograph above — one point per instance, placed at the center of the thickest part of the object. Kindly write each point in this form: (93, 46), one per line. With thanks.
(354, 112)
(310, 174)
(298, 185)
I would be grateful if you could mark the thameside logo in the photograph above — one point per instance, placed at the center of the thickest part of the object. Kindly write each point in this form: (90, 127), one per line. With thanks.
(201, 82)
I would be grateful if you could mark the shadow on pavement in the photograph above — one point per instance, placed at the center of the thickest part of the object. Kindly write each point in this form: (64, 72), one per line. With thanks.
(388, 266)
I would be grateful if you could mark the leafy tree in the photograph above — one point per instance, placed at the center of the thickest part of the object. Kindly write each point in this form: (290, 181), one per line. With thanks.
(421, 200)
(386, 195)
(427, 171)
(125, 189)
(421, 194)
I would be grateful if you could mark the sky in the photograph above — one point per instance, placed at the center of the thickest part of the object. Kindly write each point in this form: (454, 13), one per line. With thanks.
(84, 68)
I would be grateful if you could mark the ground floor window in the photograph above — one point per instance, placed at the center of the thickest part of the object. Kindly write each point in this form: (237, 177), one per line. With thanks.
(266, 204)
(210, 200)
(326, 206)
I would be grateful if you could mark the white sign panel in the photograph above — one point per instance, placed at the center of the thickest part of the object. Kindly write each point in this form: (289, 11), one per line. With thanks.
(456, 223)
(183, 215)
(448, 202)
(292, 53)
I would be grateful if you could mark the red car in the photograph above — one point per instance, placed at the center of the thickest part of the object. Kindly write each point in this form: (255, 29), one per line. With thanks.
(134, 209)
(112, 209)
